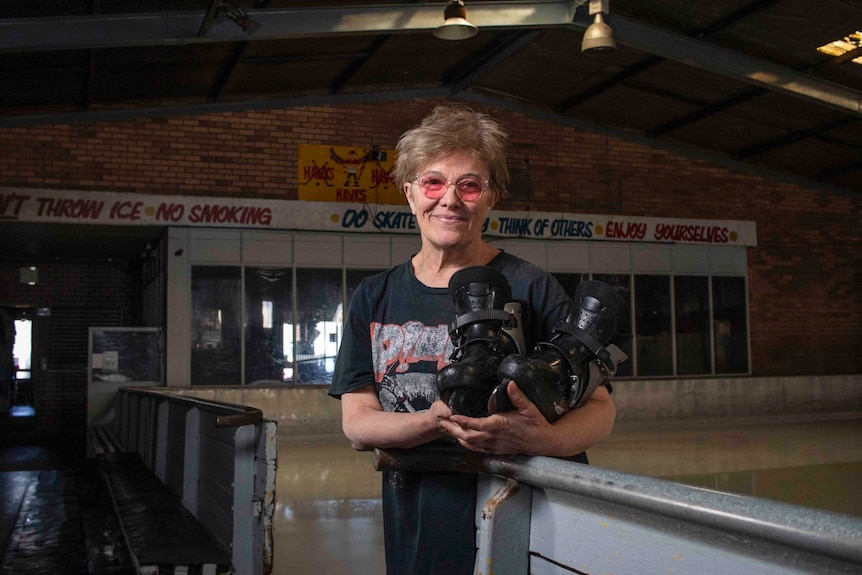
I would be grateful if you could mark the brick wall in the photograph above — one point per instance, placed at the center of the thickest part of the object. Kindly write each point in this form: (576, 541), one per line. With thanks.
(804, 274)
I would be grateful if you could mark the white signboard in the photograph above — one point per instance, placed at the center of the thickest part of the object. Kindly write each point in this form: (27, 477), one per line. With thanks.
(80, 207)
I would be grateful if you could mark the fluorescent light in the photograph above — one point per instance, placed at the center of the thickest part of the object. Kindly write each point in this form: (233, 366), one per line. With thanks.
(844, 45)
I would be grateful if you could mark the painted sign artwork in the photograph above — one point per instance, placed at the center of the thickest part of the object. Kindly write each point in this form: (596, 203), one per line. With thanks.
(347, 174)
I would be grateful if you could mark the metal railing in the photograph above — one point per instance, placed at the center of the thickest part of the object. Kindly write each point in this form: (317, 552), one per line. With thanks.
(543, 515)
(218, 458)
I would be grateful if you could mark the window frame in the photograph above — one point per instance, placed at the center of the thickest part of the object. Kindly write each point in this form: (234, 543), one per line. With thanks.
(376, 252)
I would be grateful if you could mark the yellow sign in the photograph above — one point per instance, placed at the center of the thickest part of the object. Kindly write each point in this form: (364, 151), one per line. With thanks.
(347, 174)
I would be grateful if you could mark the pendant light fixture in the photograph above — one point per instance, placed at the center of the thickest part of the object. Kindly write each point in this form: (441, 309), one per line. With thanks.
(455, 25)
(599, 37)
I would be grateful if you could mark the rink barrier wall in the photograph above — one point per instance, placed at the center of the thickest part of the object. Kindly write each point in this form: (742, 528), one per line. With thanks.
(547, 516)
(218, 458)
(306, 411)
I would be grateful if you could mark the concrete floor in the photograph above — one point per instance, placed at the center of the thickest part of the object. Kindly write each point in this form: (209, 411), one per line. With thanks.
(54, 516)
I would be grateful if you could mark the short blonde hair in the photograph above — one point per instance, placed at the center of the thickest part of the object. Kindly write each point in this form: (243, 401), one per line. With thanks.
(446, 130)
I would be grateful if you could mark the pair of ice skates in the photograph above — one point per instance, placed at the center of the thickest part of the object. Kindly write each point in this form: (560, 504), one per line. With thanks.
(557, 375)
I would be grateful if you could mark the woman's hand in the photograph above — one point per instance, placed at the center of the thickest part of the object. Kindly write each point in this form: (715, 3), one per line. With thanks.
(518, 431)
(524, 430)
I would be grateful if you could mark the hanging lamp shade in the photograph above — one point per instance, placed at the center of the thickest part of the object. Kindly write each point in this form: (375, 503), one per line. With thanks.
(455, 25)
(598, 38)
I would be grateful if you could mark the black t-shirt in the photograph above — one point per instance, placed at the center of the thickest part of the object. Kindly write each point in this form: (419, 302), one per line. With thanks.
(396, 338)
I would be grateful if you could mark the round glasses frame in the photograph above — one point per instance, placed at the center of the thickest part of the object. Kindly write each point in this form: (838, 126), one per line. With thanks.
(434, 186)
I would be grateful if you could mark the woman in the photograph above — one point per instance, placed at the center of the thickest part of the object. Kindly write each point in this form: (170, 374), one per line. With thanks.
(452, 168)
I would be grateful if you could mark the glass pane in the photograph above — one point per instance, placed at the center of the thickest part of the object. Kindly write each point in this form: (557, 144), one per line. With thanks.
(652, 325)
(691, 307)
(319, 323)
(623, 284)
(730, 325)
(216, 325)
(268, 318)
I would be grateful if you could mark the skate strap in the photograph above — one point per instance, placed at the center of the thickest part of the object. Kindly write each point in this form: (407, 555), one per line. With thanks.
(481, 315)
(591, 343)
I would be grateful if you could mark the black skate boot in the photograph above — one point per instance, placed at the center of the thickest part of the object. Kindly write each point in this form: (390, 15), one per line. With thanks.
(563, 372)
(486, 329)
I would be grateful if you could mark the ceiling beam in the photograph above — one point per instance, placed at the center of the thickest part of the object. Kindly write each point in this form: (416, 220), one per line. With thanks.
(226, 69)
(706, 111)
(179, 28)
(621, 76)
(355, 65)
(792, 138)
(681, 149)
(718, 60)
(209, 17)
(483, 63)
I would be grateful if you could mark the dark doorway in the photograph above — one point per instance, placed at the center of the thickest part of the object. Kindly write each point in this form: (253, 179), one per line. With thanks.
(17, 391)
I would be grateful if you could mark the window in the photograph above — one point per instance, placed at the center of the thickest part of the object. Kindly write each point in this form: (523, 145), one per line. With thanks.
(709, 320)
(691, 314)
(282, 322)
(280, 344)
(654, 351)
(677, 329)
(730, 324)
(268, 325)
(216, 325)
(319, 320)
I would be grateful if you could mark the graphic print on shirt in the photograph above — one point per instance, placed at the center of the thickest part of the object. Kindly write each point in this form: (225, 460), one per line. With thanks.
(406, 359)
